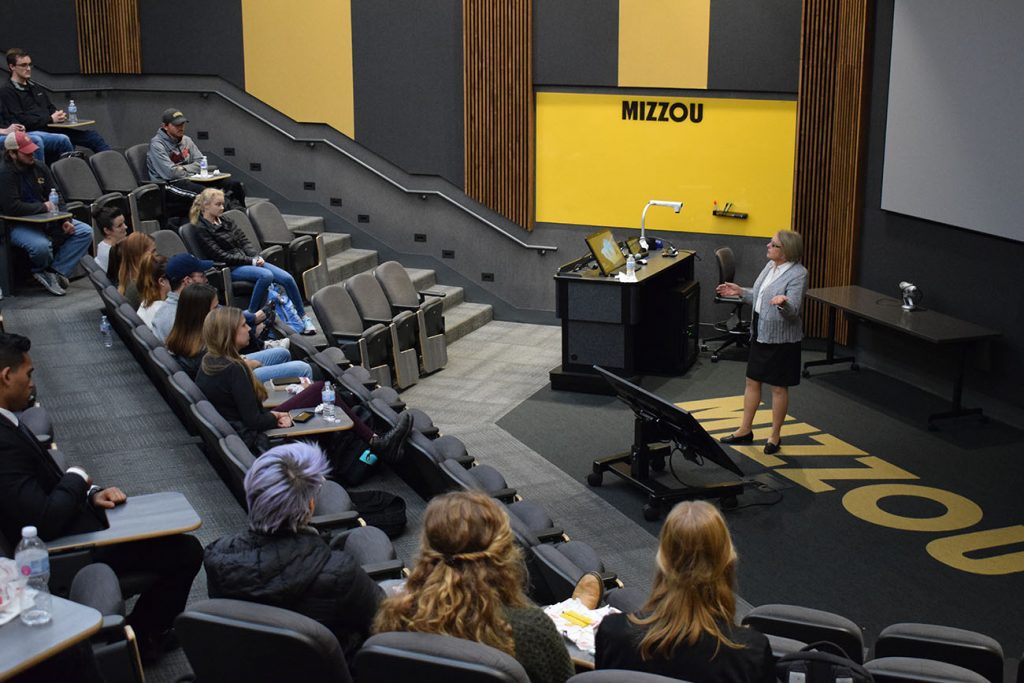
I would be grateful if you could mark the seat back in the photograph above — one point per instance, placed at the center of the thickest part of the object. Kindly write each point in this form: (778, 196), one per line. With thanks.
(136, 157)
(232, 640)
(809, 626)
(428, 657)
(168, 243)
(164, 361)
(396, 283)
(186, 390)
(368, 297)
(190, 236)
(336, 311)
(910, 670)
(967, 649)
(240, 219)
(620, 676)
(269, 224)
(113, 172)
(75, 180)
(726, 264)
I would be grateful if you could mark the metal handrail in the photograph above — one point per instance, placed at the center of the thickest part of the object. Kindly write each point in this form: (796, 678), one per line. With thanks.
(542, 248)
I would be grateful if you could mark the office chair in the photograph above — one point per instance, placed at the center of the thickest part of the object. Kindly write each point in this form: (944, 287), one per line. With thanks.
(733, 330)
(433, 658)
(960, 647)
(233, 640)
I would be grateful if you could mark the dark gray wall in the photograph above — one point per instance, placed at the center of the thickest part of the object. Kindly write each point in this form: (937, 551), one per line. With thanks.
(55, 48)
(754, 45)
(407, 67)
(194, 37)
(576, 42)
(962, 273)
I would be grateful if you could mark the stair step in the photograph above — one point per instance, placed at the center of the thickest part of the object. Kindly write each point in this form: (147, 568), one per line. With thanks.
(453, 296)
(465, 318)
(305, 225)
(350, 262)
(249, 201)
(422, 278)
(335, 243)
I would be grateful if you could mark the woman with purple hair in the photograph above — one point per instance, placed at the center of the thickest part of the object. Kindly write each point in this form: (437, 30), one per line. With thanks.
(281, 561)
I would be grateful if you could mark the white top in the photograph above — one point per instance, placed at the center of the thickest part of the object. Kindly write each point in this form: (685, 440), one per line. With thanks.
(147, 314)
(103, 255)
(772, 276)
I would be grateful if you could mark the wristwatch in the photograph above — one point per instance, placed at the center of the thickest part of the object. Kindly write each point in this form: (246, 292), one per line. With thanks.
(93, 490)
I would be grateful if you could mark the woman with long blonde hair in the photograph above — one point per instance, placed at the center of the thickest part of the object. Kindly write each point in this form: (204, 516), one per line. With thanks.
(131, 251)
(468, 583)
(686, 628)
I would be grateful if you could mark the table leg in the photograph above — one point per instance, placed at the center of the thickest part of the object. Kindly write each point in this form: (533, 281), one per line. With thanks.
(956, 407)
(830, 348)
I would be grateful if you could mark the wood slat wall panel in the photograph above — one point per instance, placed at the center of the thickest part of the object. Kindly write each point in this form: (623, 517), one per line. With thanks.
(831, 132)
(499, 111)
(108, 36)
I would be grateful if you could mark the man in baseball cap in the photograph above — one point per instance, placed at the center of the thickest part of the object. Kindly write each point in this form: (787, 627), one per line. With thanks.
(174, 157)
(54, 248)
(182, 270)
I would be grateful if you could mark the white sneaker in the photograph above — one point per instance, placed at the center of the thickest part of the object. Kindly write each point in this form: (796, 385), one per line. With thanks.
(307, 326)
(49, 281)
(277, 344)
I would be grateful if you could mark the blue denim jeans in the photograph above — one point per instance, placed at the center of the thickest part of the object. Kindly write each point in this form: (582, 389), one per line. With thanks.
(41, 253)
(51, 145)
(261, 277)
(278, 363)
(88, 138)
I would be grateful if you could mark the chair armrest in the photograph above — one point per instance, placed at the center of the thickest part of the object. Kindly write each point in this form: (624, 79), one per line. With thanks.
(370, 322)
(269, 252)
(338, 520)
(552, 535)
(610, 580)
(111, 629)
(466, 461)
(728, 299)
(505, 495)
(389, 569)
(432, 292)
(398, 308)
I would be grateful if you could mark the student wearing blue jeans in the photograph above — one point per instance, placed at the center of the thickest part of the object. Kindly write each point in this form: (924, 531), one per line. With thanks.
(24, 190)
(224, 242)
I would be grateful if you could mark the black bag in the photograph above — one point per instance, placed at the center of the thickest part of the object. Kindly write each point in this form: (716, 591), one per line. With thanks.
(381, 509)
(821, 662)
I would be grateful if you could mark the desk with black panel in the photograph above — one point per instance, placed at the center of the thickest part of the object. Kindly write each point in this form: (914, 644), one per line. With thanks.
(631, 328)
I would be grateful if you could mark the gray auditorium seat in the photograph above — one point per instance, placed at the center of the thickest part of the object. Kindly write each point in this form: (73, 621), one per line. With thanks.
(428, 308)
(343, 328)
(145, 200)
(967, 649)
(910, 670)
(432, 658)
(374, 308)
(808, 625)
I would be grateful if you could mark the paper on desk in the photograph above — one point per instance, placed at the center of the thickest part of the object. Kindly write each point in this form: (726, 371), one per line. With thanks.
(581, 636)
(12, 588)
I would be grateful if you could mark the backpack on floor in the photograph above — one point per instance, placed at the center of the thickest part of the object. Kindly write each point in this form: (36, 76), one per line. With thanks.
(821, 662)
(284, 308)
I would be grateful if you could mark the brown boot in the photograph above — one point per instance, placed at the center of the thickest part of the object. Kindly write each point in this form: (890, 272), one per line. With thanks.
(589, 590)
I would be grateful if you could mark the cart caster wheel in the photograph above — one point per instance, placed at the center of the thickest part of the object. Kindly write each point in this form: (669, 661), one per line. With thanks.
(714, 358)
(651, 513)
(729, 503)
(806, 374)
(854, 366)
(595, 478)
(658, 464)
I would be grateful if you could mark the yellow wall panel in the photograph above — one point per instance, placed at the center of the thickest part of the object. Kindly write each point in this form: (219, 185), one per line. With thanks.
(597, 165)
(664, 43)
(298, 59)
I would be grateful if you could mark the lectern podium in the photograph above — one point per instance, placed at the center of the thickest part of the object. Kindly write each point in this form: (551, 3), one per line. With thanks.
(631, 328)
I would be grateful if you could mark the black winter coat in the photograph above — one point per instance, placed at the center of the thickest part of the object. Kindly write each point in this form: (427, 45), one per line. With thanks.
(225, 243)
(299, 572)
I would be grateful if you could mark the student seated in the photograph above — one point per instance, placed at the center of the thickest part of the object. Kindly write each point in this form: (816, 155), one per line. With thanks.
(110, 221)
(686, 629)
(130, 254)
(468, 583)
(152, 286)
(185, 339)
(229, 384)
(281, 561)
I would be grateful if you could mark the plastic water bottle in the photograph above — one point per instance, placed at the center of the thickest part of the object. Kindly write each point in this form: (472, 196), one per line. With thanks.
(72, 112)
(108, 339)
(203, 166)
(33, 560)
(55, 200)
(327, 398)
(630, 266)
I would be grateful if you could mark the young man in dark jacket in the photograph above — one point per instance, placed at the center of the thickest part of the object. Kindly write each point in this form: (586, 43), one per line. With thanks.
(54, 248)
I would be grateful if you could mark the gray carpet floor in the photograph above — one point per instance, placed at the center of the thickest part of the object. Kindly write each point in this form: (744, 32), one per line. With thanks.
(109, 418)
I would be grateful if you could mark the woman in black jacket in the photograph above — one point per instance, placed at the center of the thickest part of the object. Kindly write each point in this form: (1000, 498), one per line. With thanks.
(281, 561)
(686, 629)
(223, 241)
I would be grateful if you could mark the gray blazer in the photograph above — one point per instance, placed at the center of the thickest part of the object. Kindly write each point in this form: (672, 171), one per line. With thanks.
(775, 326)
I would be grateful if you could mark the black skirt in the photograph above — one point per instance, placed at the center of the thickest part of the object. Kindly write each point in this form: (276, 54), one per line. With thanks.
(775, 364)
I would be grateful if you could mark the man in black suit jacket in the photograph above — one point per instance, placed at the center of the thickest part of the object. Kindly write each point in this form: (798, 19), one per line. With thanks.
(34, 491)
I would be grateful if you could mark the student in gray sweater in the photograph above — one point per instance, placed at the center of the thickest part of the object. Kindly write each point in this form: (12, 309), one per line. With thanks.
(775, 334)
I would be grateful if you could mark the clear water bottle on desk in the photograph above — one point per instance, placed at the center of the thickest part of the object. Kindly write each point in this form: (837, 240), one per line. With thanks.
(33, 560)
(108, 339)
(72, 112)
(327, 398)
(630, 267)
(204, 168)
(54, 200)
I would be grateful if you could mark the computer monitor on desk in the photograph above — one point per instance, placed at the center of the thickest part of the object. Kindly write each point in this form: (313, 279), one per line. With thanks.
(606, 251)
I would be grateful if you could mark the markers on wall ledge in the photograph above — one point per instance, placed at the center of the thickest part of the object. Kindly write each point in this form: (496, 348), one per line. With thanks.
(727, 211)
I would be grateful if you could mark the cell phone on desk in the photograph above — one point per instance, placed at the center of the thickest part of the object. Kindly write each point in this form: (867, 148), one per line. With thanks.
(304, 416)
(285, 381)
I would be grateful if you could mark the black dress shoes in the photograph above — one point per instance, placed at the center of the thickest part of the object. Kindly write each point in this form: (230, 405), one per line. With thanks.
(732, 439)
(388, 446)
(772, 448)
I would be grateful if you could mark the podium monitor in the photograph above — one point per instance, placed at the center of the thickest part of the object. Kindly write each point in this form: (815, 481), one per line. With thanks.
(673, 422)
(606, 251)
